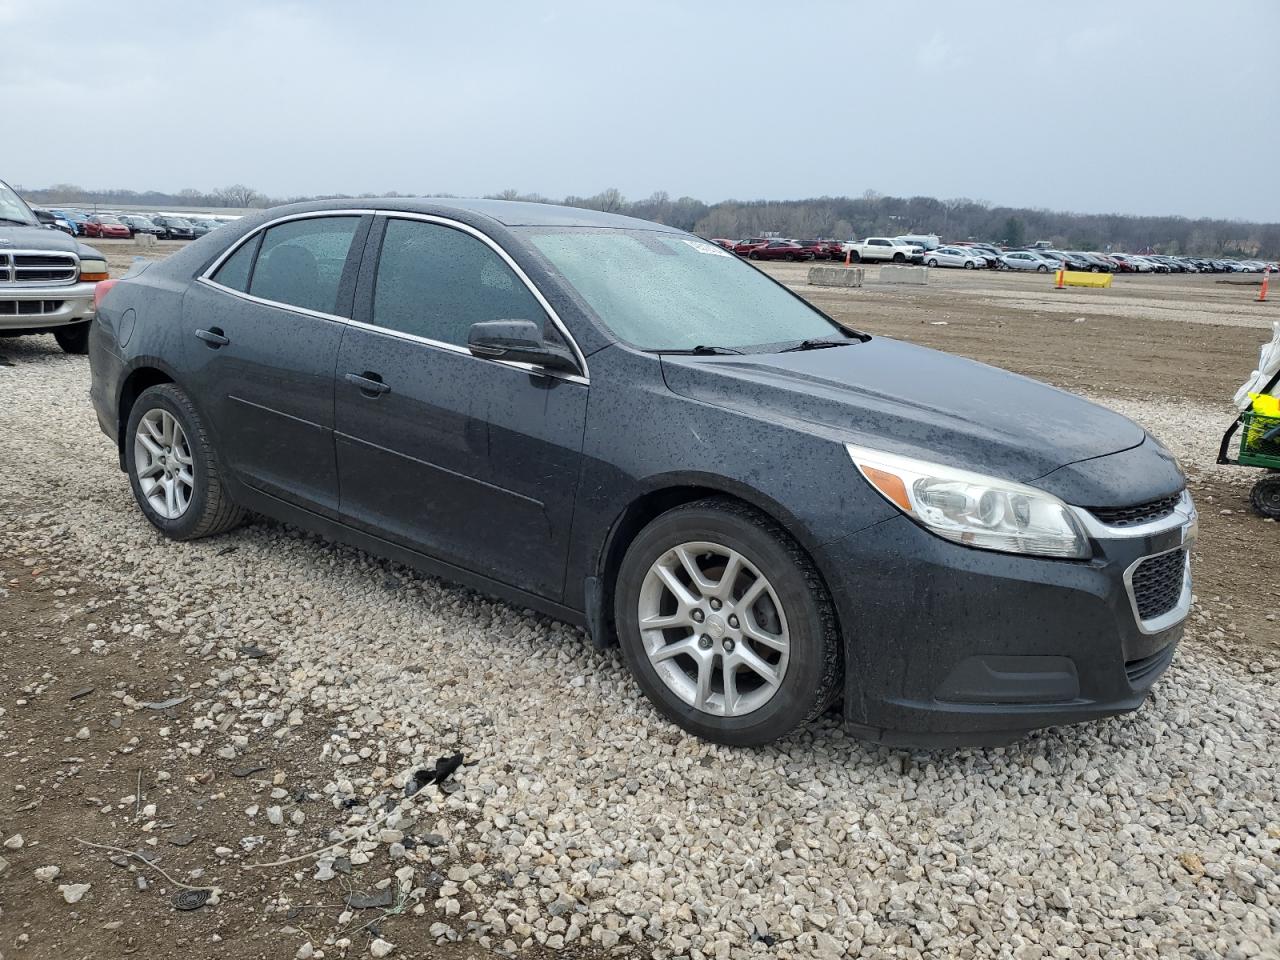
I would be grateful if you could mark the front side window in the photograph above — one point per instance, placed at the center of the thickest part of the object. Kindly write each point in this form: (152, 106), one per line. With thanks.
(301, 262)
(669, 291)
(435, 282)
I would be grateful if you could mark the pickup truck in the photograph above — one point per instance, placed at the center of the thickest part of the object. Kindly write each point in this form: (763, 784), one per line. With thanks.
(47, 278)
(883, 249)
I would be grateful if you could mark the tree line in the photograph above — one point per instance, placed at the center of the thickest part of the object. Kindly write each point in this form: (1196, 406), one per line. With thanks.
(838, 218)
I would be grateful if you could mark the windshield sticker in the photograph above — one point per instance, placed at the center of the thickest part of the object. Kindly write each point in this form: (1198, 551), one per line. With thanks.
(704, 247)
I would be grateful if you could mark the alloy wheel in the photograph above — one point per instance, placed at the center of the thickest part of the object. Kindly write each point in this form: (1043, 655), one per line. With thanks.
(714, 629)
(163, 463)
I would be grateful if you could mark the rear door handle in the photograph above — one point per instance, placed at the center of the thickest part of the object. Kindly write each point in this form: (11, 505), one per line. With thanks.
(213, 338)
(370, 384)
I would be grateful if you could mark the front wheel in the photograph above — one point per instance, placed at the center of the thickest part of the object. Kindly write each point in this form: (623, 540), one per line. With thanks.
(1265, 498)
(968, 264)
(1042, 269)
(73, 339)
(725, 624)
(899, 258)
(176, 475)
(933, 263)
(753, 255)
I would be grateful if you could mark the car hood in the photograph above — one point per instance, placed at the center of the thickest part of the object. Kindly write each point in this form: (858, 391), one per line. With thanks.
(913, 401)
(35, 238)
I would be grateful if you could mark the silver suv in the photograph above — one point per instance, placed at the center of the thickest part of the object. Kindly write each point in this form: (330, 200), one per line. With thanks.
(46, 277)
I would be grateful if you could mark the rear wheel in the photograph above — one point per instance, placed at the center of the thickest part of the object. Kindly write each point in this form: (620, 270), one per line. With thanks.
(968, 264)
(855, 257)
(899, 258)
(725, 624)
(1042, 269)
(1265, 498)
(753, 255)
(933, 263)
(73, 339)
(174, 471)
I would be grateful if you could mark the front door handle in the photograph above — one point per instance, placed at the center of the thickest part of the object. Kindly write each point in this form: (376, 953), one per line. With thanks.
(213, 337)
(370, 384)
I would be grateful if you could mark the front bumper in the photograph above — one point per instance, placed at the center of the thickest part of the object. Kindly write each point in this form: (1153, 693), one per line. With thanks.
(951, 646)
(38, 307)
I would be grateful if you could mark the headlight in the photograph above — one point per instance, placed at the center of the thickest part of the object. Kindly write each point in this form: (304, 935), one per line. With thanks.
(93, 270)
(972, 509)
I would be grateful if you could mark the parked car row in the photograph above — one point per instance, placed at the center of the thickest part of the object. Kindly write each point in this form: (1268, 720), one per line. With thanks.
(77, 223)
(1046, 261)
(975, 255)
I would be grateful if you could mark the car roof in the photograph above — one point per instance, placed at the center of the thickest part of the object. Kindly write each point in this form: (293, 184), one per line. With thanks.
(509, 213)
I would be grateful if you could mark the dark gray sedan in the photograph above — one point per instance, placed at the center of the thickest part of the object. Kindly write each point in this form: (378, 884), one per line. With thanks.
(626, 427)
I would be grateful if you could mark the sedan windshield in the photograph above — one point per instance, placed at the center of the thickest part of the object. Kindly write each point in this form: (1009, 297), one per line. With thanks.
(13, 209)
(665, 291)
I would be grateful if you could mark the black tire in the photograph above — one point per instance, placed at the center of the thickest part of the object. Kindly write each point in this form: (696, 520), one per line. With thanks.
(933, 263)
(753, 255)
(73, 339)
(211, 510)
(899, 258)
(855, 257)
(1095, 269)
(968, 265)
(1042, 269)
(1265, 498)
(814, 674)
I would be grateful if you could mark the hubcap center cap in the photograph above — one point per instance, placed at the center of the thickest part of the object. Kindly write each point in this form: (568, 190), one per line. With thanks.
(716, 626)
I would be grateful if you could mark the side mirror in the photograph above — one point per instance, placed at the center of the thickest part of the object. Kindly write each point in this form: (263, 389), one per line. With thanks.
(521, 341)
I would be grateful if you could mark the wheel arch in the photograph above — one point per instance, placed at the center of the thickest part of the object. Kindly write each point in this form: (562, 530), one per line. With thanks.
(145, 373)
(655, 498)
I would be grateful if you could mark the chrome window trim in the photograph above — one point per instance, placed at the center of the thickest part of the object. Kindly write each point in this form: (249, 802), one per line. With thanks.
(272, 303)
(230, 251)
(584, 378)
(463, 351)
(1179, 612)
(1184, 515)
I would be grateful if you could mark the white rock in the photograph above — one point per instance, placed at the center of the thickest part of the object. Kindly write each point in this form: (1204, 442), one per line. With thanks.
(47, 874)
(14, 843)
(73, 892)
(380, 947)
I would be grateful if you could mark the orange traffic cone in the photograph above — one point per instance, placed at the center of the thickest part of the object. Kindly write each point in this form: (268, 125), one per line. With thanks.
(848, 258)
(1062, 276)
(1266, 282)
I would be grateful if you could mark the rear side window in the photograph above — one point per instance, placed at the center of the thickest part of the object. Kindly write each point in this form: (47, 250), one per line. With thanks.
(434, 282)
(301, 262)
(234, 272)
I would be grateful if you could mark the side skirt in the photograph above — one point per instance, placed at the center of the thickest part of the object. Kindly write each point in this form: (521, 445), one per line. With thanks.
(277, 509)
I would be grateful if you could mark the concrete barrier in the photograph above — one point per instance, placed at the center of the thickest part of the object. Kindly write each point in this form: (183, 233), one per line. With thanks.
(835, 276)
(918, 275)
(144, 240)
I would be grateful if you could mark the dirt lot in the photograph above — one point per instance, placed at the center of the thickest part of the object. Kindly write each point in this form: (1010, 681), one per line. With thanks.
(108, 736)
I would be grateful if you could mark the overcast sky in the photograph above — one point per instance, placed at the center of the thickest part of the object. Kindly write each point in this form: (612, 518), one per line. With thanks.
(1136, 107)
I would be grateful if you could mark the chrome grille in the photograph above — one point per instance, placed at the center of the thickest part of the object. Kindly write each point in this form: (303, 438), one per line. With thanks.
(1138, 514)
(1157, 583)
(38, 267)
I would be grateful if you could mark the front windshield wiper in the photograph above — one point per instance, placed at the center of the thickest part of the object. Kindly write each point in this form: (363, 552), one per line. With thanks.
(701, 350)
(817, 345)
(21, 223)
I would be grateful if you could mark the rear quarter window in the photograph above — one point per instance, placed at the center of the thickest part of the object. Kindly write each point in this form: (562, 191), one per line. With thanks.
(235, 270)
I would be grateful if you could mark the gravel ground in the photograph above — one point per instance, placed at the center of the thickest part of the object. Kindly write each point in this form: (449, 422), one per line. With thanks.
(588, 823)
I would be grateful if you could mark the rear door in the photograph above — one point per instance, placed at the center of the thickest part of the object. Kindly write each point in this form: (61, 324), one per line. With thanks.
(262, 332)
(472, 461)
